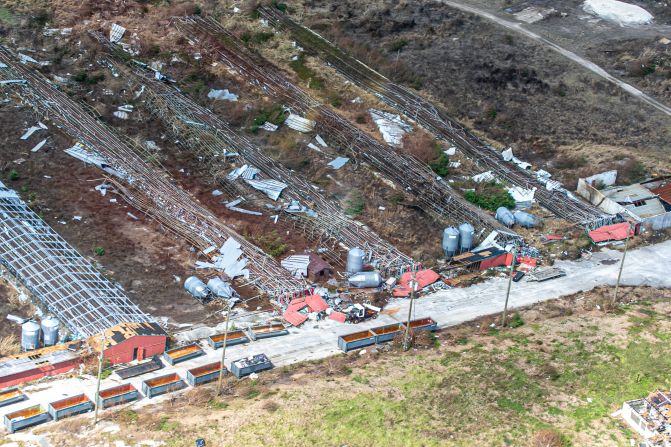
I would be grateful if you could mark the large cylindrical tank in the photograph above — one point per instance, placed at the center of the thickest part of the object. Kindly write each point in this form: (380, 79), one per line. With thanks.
(365, 279)
(450, 241)
(50, 331)
(526, 220)
(505, 216)
(355, 259)
(220, 288)
(30, 336)
(466, 233)
(196, 287)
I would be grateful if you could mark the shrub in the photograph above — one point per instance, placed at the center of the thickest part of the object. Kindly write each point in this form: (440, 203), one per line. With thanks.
(13, 175)
(441, 166)
(271, 243)
(305, 73)
(490, 196)
(280, 6)
(631, 171)
(355, 204)
(548, 437)
(274, 115)
(398, 45)
(516, 321)
(99, 251)
(568, 162)
(84, 78)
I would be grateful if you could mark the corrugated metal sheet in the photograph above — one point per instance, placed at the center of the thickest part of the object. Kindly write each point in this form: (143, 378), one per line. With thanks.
(299, 123)
(271, 188)
(296, 264)
(663, 192)
(316, 303)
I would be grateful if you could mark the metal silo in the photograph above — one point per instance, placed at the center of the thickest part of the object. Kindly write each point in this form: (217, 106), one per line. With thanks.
(355, 259)
(50, 331)
(30, 336)
(196, 287)
(365, 279)
(450, 241)
(220, 288)
(526, 220)
(466, 232)
(505, 216)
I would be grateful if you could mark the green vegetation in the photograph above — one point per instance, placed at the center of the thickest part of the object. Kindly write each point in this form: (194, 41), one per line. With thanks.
(490, 196)
(274, 115)
(271, 243)
(516, 321)
(6, 17)
(83, 77)
(355, 204)
(167, 425)
(307, 74)
(280, 6)
(441, 165)
(398, 45)
(13, 175)
(256, 38)
(99, 251)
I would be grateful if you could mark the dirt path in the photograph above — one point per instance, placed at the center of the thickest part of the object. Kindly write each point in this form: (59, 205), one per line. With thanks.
(591, 66)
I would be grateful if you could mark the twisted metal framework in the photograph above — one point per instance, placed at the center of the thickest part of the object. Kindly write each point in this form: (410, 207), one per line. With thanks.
(436, 121)
(66, 284)
(197, 128)
(148, 188)
(433, 195)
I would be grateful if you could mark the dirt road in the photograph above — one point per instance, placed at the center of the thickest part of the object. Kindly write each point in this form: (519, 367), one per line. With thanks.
(591, 66)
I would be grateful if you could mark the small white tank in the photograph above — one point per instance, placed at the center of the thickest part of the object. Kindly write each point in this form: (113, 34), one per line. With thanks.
(30, 336)
(196, 287)
(50, 327)
(466, 233)
(365, 279)
(355, 259)
(505, 216)
(450, 241)
(526, 220)
(220, 288)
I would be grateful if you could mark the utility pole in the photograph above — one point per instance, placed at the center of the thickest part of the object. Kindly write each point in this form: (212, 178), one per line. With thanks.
(100, 371)
(223, 351)
(624, 255)
(510, 282)
(413, 284)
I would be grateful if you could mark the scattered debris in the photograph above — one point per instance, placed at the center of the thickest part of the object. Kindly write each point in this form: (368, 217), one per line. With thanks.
(31, 130)
(602, 179)
(484, 177)
(272, 188)
(116, 33)
(546, 274)
(270, 127)
(524, 198)
(320, 140)
(39, 145)
(297, 265)
(299, 123)
(391, 126)
(88, 156)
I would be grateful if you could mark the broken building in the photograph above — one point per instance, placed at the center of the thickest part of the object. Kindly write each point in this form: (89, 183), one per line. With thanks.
(650, 418)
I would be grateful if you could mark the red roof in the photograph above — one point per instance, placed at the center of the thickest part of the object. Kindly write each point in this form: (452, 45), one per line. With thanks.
(423, 277)
(294, 317)
(338, 316)
(664, 192)
(616, 232)
(316, 303)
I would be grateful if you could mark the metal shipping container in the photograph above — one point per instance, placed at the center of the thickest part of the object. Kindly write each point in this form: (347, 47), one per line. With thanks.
(117, 395)
(143, 368)
(204, 374)
(267, 331)
(161, 385)
(387, 333)
(244, 367)
(70, 406)
(26, 418)
(11, 396)
(182, 354)
(356, 340)
(423, 324)
(233, 338)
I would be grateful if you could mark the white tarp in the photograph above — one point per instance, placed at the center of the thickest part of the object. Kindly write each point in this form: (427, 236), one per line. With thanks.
(624, 14)
(222, 94)
(486, 176)
(607, 178)
(524, 198)
(391, 126)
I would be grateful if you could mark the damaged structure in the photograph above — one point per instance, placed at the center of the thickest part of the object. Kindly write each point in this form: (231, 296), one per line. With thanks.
(650, 417)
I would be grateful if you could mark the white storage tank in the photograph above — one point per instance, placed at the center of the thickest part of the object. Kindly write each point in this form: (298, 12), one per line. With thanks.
(355, 257)
(50, 327)
(30, 336)
(505, 216)
(196, 287)
(365, 279)
(526, 220)
(450, 241)
(220, 288)
(466, 234)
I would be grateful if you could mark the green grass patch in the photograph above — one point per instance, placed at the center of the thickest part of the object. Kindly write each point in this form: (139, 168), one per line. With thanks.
(306, 74)
(490, 196)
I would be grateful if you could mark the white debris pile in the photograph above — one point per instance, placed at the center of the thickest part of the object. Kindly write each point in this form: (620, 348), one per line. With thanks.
(271, 188)
(299, 123)
(297, 265)
(31, 130)
(607, 178)
(123, 111)
(624, 14)
(230, 261)
(391, 126)
(524, 198)
(222, 95)
(483, 177)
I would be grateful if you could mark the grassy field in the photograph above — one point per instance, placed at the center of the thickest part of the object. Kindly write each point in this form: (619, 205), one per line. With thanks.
(564, 371)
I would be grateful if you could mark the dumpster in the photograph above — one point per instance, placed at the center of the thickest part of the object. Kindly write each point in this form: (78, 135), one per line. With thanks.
(143, 368)
(234, 338)
(11, 396)
(26, 418)
(356, 340)
(267, 331)
(204, 374)
(117, 395)
(387, 333)
(70, 406)
(423, 324)
(182, 354)
(161, 385)
(253, 364)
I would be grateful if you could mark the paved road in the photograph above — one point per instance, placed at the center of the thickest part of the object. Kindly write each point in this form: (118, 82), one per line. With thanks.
(643, 266)
(591, 66)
